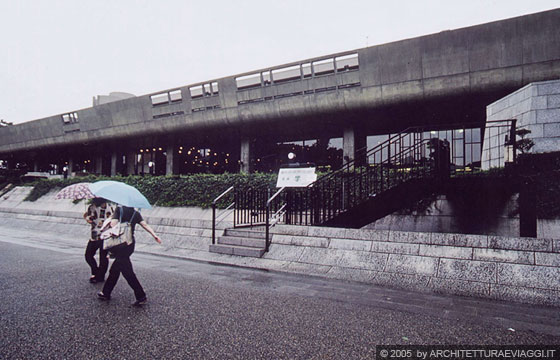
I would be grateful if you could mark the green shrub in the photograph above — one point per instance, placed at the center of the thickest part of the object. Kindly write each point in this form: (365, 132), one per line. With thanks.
(188, 190)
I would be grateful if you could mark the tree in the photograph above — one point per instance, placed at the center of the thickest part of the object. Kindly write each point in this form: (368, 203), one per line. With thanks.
(523, 144)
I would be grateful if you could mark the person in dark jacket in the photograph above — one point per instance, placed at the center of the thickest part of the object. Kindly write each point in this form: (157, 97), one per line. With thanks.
(95, 215)
(122, 254)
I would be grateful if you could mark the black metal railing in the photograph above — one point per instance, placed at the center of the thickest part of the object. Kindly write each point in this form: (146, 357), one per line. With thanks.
(276, 207)
(225, 212)
(350, 186)
(250, 207)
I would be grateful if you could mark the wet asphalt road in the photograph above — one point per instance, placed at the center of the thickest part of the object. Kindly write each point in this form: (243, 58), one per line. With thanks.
(204, 311)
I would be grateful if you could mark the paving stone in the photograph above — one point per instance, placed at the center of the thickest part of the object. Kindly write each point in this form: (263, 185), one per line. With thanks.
(326, 232)
(528, 244)
(480, 271)
(530, 276)
(347, 244)
(453, 252)
(284, 252)
(395, 248)
(361, 260)
(511, 256)
(408, 264)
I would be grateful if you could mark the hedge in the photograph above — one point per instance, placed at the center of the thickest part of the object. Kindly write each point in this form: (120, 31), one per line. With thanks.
(189, 190)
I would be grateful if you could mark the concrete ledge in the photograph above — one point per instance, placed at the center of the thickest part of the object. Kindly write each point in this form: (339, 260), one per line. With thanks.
(530, 244)
(510, 256)
(347, 244)
(395, 248)
(446, 251)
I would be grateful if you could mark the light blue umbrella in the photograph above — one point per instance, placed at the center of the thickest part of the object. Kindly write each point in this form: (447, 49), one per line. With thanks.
(119, 193)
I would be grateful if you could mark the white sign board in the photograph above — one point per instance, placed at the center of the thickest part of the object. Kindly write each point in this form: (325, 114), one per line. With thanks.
(296, 177)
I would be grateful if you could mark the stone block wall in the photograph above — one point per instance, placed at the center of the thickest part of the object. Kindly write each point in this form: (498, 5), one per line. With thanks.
(496, 267)
(537, 108)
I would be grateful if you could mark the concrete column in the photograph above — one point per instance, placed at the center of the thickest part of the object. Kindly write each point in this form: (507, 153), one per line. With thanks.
(130, 160)
(35, 166)
(99, 165)
(245, 156)
(114, 163)
(70, 166)
(353, 144)
(169, 160)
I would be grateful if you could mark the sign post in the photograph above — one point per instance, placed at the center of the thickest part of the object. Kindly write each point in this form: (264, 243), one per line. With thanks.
(296, 177)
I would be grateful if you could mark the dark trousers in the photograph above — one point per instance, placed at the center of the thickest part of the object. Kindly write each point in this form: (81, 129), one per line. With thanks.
(91, 249)
(122, 264)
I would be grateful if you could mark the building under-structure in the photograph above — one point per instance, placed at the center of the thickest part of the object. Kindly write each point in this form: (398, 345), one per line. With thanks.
(323, 109)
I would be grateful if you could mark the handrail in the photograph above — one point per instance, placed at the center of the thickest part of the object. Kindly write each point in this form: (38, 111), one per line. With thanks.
(267, 225)
(222, 195)
(274, 196)
(214, 212)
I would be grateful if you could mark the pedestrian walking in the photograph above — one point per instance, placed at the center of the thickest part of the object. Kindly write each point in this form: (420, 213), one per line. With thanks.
(122, 253)
(95, 215)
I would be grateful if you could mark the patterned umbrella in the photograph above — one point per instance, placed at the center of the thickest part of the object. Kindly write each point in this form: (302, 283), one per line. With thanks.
(75, 192)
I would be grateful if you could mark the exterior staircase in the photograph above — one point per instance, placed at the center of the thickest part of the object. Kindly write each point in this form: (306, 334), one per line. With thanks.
(242, 242)
(396, 173)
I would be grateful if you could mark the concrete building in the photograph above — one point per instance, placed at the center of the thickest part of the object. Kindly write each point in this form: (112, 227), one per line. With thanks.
(325, 108)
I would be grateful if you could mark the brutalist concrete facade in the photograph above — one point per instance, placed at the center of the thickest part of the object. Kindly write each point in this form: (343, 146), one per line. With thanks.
(439, 79)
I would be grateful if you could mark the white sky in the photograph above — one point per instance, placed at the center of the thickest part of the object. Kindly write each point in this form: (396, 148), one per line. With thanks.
(58, 54)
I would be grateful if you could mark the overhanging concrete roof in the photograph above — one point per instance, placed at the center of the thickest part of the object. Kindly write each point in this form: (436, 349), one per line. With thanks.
(452, 73)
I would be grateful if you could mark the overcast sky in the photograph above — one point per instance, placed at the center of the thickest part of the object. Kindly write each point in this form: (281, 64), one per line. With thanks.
(58, 54)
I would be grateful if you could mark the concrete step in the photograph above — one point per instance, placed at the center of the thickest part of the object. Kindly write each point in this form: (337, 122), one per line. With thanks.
(246, 233)
(242, 241)
(236, 250)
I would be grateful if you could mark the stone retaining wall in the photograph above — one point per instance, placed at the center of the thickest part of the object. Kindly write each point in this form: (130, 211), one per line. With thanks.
(505, 268)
